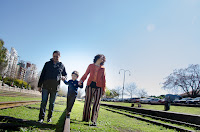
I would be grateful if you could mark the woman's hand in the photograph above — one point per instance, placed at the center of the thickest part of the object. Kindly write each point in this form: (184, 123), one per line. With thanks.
(80, 83)
(63, 78)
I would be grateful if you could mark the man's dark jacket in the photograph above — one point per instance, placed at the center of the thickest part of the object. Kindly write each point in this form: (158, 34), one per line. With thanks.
(51, 75)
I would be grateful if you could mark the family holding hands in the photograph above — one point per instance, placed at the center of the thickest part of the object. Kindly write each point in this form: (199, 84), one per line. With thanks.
(49, 83)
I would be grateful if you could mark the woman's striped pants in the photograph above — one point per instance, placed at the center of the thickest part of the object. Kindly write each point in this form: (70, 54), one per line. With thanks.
(89, 94)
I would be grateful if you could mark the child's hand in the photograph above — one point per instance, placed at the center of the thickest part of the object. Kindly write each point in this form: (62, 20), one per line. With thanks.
(63, 78)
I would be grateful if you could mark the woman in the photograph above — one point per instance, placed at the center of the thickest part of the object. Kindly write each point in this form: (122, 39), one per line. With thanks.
(96, 87)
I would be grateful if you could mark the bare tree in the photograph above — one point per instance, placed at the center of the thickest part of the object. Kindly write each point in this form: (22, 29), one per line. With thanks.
(62, 93)
(187, 79)
(34, 84)
(118, 90)
(131, 89)
(142, 93)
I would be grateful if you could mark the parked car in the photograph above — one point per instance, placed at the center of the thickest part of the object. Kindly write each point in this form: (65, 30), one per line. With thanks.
(154, 101)
(120, 100)
(103, 99)
(134, 100)
(145, 100)
(161, 101)
(110, 99)
(183, 100)
(126, 100)
(172, 98)
(193, 101)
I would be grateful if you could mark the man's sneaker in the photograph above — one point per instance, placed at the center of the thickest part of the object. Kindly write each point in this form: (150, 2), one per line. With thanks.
(40, 120)
(49, 120)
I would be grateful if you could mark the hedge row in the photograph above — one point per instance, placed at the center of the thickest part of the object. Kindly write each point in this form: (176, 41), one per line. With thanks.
(15, 82)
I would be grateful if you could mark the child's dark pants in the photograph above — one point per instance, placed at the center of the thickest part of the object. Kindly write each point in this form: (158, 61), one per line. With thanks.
(70, 102)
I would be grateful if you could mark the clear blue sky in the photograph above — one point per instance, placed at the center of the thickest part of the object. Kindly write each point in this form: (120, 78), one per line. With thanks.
(150, 38)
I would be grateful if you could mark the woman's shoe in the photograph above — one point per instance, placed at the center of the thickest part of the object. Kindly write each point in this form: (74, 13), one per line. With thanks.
(93, 124)
(49, 120)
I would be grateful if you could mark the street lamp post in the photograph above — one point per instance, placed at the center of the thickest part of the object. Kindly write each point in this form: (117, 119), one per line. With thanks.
(124, 79)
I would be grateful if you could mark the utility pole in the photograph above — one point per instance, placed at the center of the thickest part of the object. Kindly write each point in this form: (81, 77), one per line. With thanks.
(124, 79)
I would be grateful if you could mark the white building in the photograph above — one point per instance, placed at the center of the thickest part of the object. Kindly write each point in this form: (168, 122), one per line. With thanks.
(31, 72)
(7, 59)
(12, 63)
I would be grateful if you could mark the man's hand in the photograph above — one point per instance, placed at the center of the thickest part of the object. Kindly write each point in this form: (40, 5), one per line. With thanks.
(40, 89)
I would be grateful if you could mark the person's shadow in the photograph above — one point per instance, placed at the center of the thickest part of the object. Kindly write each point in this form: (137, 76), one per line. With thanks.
(61, 122)
(12, 123)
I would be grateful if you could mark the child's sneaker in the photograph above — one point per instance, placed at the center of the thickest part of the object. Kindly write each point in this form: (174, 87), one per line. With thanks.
(68, 115)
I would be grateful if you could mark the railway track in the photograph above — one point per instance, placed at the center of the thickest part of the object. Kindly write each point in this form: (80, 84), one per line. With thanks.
(5, 105)
(158, 117)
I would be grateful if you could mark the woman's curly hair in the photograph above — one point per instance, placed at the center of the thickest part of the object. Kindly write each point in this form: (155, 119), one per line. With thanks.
(98, 57)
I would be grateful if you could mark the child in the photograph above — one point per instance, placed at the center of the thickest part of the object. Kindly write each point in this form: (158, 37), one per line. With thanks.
(72, 91)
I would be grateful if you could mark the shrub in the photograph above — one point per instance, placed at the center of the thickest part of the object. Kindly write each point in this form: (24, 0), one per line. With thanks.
(16, 82)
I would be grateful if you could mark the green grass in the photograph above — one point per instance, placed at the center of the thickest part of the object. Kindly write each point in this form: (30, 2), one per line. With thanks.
(148, 118)
(180, 109)
(107, 121)
(19, 98)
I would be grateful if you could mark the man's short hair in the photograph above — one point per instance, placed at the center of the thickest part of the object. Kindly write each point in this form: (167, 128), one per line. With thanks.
(57, 52)
(75, 73)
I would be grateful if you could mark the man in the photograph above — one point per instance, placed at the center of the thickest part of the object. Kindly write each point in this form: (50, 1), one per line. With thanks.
(49, 83)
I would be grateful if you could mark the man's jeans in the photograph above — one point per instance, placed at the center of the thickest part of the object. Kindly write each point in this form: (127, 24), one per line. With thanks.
(52, 99)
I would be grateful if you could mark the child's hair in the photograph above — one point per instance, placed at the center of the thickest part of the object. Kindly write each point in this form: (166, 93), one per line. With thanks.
(98, 57)
(75, 73)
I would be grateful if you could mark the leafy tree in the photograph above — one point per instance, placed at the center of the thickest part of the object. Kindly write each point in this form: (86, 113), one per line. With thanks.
(3, 61)
(111, 93)
(107, 92)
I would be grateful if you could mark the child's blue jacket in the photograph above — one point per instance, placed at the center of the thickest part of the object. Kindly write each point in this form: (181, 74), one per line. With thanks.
(73, 87)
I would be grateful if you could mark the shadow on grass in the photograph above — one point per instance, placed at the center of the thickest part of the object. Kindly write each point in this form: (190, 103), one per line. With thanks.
(37, 108)
(11, 123)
